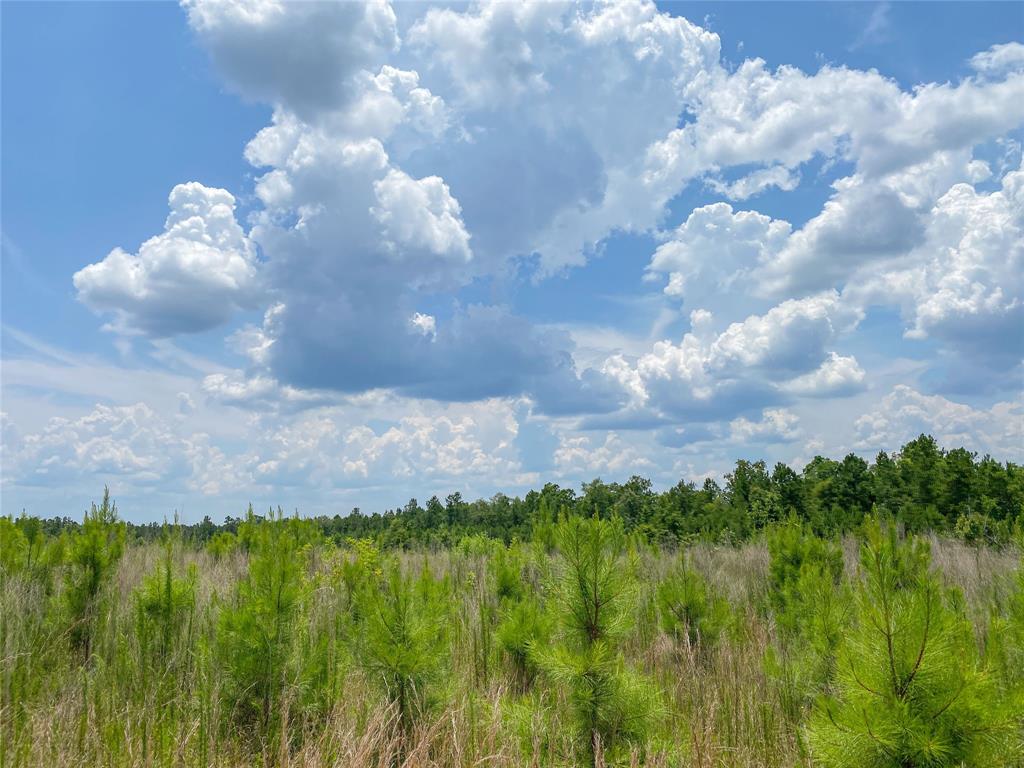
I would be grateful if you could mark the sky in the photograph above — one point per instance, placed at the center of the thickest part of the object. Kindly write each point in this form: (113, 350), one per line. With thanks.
(327, 256)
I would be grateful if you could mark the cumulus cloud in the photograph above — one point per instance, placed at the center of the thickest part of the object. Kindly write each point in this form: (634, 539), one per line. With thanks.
(132, 443)
(192, 277)
(775, 425)
(905, 413)
(962, 284)
(300, 55)
(760, 361)
(393, 198)
(786, 117)
(582, 454)
(838, 375)
(999, 59)
(420, 215)
(777, 176)
(861, 223)
(715, 248)
(331, 447)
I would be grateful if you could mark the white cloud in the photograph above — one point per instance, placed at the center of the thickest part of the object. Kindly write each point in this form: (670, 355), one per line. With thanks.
(261, 392)
(424, 324)
(420, 215)
(778, 176)
(131, 443)
(192, 277)
(762, 360)
(300, 55)
(583, 456)
(396, 179)
(789, 338)
(838, 375)
(775, 425)
(905, 413)
(963, 283)
(999, 59)
(715, 248)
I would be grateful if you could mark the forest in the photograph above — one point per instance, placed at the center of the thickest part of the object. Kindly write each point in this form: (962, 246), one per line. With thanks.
(852, 614)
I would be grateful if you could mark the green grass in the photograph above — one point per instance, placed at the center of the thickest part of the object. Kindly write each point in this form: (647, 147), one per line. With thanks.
(290, 650)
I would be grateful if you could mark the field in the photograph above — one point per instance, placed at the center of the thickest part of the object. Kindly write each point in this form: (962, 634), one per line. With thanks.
(584, 645)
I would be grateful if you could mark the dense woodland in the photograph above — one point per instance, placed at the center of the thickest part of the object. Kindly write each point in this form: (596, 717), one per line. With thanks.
(849, 616)
(922, 486)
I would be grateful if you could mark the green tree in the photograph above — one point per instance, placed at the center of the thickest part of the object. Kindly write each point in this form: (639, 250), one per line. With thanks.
(811, 606)
(402, 640)
(910, 690)
(690, 610)
(612, 705)
(93, 554)
(257, 627)
(165, 602)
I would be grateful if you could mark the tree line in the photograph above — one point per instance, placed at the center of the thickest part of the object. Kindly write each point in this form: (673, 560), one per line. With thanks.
(922, 486)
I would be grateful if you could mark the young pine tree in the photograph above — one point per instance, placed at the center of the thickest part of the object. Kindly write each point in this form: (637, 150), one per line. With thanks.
(164, 603)
(691, 613)
(810, 602)
(257, 628)
(93, 554)
(613, 706)
(910, 691)
(401, 641)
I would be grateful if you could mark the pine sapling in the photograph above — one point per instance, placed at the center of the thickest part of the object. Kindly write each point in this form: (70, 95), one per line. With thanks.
(691, 613)
(910, 690)
(93, 554)
(402, 641)
(613, 706)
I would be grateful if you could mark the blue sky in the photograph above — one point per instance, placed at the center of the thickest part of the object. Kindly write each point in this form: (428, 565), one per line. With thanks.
(327, 256)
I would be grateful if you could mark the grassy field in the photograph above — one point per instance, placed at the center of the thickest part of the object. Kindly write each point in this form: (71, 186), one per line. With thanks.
(583, 647)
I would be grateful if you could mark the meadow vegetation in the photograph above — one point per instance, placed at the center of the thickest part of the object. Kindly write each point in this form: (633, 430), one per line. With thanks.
(783, 620)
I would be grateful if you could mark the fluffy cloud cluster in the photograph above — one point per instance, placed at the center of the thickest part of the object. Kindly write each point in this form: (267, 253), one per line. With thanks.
(196, 274)
(965, 282)
(905, 413)
(775, 425)
(759, 361)
(132, 443)
(454, 446)
(417, 165)
(303, 55)
(924, 240)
